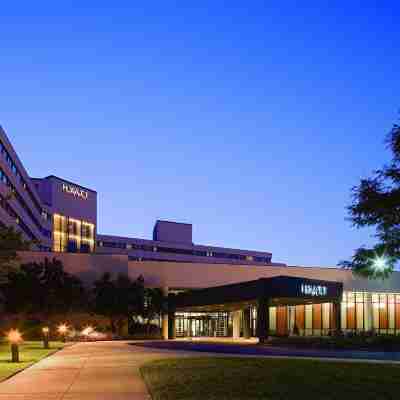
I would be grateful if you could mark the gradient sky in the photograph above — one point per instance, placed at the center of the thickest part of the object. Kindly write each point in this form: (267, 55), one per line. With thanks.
(250, 121)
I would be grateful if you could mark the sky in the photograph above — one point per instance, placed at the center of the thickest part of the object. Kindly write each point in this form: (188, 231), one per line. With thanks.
(250, 120)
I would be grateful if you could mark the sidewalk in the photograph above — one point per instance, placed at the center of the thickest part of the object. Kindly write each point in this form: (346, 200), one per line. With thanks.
(85, 371)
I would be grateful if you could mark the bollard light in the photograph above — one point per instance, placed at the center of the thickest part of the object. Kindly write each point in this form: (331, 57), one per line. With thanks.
(62, 330)
(14, 338)
(46, 334)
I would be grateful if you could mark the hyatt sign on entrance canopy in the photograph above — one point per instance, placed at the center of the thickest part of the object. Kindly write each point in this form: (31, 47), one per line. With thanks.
(313, 290)
(75, 191)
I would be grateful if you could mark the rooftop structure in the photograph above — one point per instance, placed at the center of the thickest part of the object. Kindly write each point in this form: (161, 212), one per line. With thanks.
(61, 216)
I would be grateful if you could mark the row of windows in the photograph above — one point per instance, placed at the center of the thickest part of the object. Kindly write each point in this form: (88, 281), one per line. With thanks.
(72, 235)
(15, 170)
(4, 179)
(9, 210)
(366, 311)
(161, 249)
(359, 311)
(124, 246)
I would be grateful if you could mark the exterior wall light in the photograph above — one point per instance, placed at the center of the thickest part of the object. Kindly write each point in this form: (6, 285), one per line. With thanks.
(15, 338)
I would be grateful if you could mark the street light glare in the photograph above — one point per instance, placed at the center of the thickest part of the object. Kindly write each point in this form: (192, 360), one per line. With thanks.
(14, 336)
(63, 328)
(380, 263)
(87, 331)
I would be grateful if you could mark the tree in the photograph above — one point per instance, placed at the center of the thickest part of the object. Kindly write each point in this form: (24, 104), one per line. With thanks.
(11, 242)
(43, 288)
(376, 203)
(118, 299)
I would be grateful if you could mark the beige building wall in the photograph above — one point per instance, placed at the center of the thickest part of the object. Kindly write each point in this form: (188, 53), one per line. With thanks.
(177, 275)
(87, 267)
(189, 275)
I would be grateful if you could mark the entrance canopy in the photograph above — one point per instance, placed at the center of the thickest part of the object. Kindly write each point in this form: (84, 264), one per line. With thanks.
(278, 290)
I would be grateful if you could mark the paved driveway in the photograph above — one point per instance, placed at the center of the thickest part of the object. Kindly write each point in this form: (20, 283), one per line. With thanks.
(242, 349)
(85, 371)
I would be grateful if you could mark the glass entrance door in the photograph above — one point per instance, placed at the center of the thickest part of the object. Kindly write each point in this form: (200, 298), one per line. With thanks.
(201, 324)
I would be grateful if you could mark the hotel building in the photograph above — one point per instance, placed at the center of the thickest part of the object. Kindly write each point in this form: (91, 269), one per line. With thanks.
(212, 291)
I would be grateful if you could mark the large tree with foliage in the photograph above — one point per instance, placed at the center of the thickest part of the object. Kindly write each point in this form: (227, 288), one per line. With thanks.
(118, 299)
(43, 288)
(376, 203)
(11, 241)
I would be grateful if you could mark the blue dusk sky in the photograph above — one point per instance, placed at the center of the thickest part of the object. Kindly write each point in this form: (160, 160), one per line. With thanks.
(251, 120)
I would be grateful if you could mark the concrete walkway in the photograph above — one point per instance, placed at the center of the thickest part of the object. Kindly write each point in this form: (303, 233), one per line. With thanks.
(85, 371)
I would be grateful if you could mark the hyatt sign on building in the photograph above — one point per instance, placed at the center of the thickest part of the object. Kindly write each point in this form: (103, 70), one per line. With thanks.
(212, 291)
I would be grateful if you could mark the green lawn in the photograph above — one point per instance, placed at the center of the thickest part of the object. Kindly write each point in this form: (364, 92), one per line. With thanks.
(257, 378)
(30, 352)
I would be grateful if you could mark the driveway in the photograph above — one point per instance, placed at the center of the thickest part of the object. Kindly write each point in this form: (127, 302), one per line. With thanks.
(248, 348)
(85, 371)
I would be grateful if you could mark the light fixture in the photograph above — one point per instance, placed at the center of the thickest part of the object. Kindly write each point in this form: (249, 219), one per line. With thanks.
(62, 330)
(14, 337)
(87, 331)
(380, 263)
(46, 332)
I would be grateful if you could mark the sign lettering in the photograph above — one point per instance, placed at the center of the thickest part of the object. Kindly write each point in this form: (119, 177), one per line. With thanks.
(75, 191)
(313, 290)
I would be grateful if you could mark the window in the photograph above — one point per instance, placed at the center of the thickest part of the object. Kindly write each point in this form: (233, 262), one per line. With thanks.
(10, 211)
(72, 235)
(15, 194)
(20, 179)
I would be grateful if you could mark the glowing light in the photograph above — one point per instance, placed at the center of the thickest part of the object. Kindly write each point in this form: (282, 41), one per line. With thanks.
(380, 263)
(14, 336)
(62, 329)
(87, 331)
(45, 329)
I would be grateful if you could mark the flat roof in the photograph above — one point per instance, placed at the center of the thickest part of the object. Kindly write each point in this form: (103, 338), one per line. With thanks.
(285, 289)
(69, 182)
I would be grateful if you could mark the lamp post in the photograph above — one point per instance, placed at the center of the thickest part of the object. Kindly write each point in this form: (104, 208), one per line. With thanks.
(46, 333)
(15, 338)
(62, 330)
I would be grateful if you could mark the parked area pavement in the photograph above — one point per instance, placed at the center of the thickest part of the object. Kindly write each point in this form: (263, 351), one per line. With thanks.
(85, 371)
(240, 347)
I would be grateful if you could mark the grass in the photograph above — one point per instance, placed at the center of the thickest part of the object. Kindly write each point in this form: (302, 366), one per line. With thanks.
(269, 379)
(30, 352)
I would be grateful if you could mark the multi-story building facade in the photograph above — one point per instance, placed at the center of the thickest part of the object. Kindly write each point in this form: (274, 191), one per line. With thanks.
(61, 216)
(238, 286)
(20, 204)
